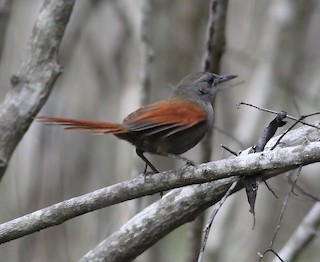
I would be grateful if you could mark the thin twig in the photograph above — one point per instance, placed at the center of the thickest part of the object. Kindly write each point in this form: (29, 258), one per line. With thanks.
(284, 207)
(272, 251)
(212, 216)
(270, 189)
(229, 135)
(229, 150)
(296, 105)
(304, 191)
(276, 112)
(292, 126)
(285, 202)
(303, 235)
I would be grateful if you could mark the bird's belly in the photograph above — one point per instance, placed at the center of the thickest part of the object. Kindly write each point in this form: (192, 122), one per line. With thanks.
(182, 141)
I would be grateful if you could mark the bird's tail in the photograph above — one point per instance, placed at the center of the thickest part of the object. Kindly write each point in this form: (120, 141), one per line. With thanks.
(98, 128)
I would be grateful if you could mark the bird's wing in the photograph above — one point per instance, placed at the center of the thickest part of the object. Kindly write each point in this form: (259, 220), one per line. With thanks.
(165, 115)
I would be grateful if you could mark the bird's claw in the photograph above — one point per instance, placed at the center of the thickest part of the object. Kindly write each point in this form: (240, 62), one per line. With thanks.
(191, 163)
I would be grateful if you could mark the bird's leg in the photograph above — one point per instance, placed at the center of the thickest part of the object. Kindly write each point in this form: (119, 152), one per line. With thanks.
(145, 169)
(148, 163)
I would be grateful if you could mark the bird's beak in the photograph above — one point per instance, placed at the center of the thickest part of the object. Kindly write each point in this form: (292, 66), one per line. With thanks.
(223, 78)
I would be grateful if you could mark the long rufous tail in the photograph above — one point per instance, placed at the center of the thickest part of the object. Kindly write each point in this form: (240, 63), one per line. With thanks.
(77, 124)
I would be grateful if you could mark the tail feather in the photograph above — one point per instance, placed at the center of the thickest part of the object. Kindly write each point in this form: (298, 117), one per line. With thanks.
(77, 124)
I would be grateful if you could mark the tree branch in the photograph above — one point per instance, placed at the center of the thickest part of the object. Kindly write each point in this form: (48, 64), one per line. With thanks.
(216, 35)
(147, 50)
(177, 207)
(270, 162)
(5, 10)
(306, 231)
(32, 83)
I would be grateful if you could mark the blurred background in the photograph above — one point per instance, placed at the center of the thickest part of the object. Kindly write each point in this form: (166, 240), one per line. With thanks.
(273, 47)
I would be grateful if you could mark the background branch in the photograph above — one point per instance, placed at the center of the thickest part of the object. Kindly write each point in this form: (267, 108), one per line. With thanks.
(215, 47)
(146, 72)
(32, 83)
(5, 10)
(303, 235)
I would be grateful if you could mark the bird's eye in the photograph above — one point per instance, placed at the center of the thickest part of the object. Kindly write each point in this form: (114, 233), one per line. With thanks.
(209, 79)
(203, 91)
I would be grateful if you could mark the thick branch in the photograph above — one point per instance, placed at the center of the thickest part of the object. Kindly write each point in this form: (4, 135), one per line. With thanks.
(176, 208)
(32, 84)
(216, 35)
(270, 162)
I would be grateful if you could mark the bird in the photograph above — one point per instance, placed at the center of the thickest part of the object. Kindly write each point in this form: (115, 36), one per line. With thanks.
(169, 127)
